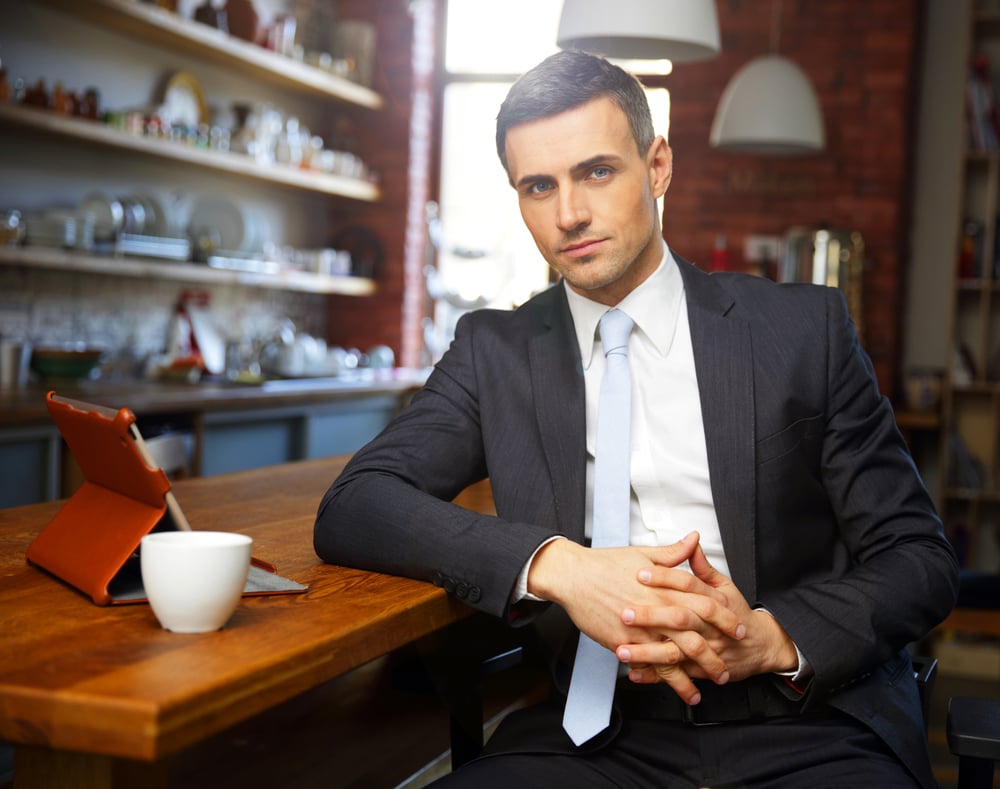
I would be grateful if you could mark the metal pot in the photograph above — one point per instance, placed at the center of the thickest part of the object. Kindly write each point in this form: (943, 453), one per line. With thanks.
(827, 256)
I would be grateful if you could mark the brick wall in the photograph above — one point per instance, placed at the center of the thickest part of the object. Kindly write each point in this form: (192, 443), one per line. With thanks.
(862, 59)
(400, 155)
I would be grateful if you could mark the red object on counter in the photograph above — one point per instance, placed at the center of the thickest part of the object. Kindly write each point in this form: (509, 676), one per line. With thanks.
(719, 261)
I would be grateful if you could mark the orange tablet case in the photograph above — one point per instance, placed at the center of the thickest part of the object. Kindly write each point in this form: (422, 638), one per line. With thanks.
(92, 542)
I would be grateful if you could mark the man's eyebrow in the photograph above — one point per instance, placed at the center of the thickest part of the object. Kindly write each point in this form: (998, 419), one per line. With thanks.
(527, 180)
(593, 161)
(586, 164)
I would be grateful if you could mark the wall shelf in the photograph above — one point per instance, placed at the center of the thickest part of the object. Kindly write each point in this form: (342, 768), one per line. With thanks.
(149, 22)
(70, 260)
(95, 133)
(911, 419)
(973, 494)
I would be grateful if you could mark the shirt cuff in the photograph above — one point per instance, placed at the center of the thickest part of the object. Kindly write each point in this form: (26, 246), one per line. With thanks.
(521, 587)
(804, 671)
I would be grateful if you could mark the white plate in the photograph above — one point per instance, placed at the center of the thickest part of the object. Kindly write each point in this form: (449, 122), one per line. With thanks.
(107, 212)
(184, 101)
(156, 219)
(219, 219)
(258, 232)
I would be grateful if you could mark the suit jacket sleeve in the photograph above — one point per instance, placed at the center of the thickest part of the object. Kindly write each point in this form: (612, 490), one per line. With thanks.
(854, 592)
(390, 509)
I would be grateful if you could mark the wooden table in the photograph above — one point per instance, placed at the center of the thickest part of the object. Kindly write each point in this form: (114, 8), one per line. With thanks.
(99, 696)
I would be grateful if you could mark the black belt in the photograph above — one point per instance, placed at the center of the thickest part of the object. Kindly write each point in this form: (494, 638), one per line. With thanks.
(755, 698)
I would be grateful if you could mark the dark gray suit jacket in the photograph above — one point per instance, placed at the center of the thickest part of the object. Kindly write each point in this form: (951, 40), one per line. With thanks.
(824, 518)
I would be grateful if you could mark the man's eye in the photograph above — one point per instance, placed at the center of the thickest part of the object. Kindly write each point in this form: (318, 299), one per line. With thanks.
(539, 187)
(600, 172)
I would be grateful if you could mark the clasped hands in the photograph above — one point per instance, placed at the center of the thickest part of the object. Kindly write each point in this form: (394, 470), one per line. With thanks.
(669, 625)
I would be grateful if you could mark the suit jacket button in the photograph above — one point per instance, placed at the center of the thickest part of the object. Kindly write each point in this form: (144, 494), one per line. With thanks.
(474, 594)
(462, 590)
(449, 585)
(437, 579)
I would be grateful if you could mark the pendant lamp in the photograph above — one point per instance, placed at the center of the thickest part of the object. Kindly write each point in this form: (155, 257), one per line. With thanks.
(676, 30)
(769, 107)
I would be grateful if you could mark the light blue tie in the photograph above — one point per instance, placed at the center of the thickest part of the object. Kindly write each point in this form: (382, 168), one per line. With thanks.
(595, 670)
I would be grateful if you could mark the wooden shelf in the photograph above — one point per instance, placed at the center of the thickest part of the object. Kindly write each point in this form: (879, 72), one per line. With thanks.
(909, 419)
(69, 260)
(986, 23)
(977, 388)
(981, 621)
(977, 284)
(95, 133)
(980, 157)
(973, 494)
(149, 22)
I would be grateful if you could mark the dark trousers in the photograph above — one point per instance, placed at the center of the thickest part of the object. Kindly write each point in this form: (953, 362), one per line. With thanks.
(822, 749)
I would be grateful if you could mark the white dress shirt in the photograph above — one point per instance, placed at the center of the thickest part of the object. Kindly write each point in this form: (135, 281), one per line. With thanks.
(671, 492)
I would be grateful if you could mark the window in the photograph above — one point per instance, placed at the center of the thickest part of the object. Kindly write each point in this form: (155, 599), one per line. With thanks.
(485, 255)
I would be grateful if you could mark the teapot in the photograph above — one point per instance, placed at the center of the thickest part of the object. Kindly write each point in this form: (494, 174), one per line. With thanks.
(294, 356)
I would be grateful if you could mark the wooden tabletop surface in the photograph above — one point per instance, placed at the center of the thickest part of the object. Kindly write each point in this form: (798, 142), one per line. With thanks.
(108, 680)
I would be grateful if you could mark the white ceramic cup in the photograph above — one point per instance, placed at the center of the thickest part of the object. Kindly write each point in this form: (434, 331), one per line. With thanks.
(194, 579)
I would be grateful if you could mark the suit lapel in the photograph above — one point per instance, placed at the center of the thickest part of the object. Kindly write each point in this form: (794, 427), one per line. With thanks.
(557, 381)
(722, 350)
(723, 362)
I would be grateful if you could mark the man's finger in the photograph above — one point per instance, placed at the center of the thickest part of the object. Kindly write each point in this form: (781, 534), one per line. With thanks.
(676, 553)
(674, 676)
(703, 569)
(691, 650)
(694, 615)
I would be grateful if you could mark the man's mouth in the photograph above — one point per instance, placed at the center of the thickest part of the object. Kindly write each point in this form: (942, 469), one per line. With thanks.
(581, 249)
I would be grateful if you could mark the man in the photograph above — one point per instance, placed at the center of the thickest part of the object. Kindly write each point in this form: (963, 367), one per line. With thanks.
(761, 452)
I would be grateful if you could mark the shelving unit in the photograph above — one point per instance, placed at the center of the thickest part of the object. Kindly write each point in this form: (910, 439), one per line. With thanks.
(970, 446)
(147, 22)
(195, 273)
(94, 133)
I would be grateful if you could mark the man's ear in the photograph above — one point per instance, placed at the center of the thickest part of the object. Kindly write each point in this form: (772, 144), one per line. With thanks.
(661, 166)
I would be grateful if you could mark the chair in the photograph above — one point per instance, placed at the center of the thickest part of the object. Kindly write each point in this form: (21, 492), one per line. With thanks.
(973, 725)
(925, 673)
(973, 729)
(171, 451)
(465, 701)
(455, 665)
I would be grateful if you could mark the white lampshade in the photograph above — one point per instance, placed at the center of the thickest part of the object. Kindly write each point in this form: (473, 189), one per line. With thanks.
(769, 107)
(677, 30)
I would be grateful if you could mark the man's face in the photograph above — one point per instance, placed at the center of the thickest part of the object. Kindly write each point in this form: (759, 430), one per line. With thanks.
(588, 197)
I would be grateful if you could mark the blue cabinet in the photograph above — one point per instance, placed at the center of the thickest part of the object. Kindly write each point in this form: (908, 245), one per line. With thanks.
(339, 428)
(235, 441)
(29, 465)
(33, 467)
(239, 440)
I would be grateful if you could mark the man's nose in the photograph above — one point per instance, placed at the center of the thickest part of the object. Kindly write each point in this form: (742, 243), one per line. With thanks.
(573, 210)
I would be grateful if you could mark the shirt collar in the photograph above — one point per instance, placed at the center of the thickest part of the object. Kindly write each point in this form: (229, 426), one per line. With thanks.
(654, 306)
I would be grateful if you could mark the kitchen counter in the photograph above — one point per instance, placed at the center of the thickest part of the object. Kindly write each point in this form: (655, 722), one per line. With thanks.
(213, 427)
(26, 406)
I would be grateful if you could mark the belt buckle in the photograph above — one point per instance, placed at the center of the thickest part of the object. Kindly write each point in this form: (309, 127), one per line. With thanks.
(691, 717)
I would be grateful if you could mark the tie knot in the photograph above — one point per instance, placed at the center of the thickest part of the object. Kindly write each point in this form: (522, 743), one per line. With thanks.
(615, 327)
